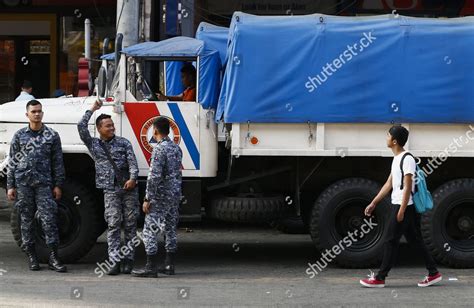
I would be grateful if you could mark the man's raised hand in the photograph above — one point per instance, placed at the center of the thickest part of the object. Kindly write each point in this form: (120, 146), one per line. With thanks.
(96, 106)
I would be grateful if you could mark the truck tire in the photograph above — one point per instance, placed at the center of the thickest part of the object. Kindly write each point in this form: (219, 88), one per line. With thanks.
(79, 222)
(448, 229)
(248, 208)
(340, 210)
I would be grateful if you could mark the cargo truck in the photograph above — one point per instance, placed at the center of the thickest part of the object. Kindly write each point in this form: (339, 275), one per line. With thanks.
(289, 122)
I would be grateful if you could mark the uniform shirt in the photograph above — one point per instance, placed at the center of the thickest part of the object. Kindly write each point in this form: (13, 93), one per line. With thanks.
(121, 151)
(189, 95)
(24, 96)
(36, 158)
(165, 177)
(409, 167)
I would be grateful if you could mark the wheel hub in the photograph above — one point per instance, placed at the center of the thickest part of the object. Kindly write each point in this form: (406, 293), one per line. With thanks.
(68, 226)
(465, 223)
(355, 222)
(348, 218)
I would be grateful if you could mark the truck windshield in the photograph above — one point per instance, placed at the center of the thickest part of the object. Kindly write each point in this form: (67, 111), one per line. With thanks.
(162, 80)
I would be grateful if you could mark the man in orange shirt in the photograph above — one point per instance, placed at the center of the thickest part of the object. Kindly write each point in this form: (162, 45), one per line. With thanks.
(188, 78)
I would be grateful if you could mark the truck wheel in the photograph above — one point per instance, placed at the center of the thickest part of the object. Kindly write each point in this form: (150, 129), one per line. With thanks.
(79, 223)
(339, 212)
(248, 208)
(448, 229)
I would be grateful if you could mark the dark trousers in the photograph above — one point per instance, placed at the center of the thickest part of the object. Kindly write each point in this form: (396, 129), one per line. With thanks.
(37, 198)
(410, 227)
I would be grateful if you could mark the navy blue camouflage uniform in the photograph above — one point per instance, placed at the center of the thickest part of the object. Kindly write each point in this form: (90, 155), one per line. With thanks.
(36, 166)
(163, 191)
(121, 206)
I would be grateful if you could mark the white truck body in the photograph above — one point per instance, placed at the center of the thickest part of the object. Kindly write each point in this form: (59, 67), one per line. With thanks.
(355, 139)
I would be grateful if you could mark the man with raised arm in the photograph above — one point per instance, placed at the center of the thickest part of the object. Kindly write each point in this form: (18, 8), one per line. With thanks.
(116, 174)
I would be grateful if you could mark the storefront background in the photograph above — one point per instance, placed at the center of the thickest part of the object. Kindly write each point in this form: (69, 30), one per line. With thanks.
(42, 41)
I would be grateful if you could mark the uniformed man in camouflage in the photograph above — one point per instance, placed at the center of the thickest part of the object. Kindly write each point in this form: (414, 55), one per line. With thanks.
(163, 193)
(116, 174)
(36, 175)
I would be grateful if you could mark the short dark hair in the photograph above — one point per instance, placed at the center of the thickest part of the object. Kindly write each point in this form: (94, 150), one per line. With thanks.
(100, 118)
(162, 125)
(33, 102)
(27, 84)
(189, 69)
(399, 133)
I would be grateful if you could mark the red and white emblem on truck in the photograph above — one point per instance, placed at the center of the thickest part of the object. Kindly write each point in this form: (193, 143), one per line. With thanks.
(146, 134)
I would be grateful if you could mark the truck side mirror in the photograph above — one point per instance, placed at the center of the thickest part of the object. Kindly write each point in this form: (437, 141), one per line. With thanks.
(118, 48)
(102, 82)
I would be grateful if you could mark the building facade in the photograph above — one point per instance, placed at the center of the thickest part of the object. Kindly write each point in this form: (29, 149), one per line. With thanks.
(42, 41)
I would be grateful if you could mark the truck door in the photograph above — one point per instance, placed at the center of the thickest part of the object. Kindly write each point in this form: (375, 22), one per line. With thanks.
(137, 126)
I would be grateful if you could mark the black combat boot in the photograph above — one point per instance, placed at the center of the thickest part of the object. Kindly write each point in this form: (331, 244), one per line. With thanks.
(150, 269)
(114, 270)
(168, 267)
(54, 262)
(127, 266)
(32, 258)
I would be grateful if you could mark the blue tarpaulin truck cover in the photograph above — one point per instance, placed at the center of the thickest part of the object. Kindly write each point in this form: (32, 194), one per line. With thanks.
(214, 37)
(319, 68)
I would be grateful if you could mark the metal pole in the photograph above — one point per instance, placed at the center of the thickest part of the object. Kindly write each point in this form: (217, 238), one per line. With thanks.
(87, 37)
(87, 51)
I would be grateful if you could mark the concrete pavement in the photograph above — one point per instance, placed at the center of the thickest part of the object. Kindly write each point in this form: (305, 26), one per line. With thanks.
(220, 265)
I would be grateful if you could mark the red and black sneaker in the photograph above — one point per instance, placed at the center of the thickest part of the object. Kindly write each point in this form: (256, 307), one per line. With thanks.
(430, 280)
(372, 282)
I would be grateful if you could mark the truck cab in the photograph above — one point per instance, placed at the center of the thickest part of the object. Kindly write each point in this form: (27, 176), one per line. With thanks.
(193, 128)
